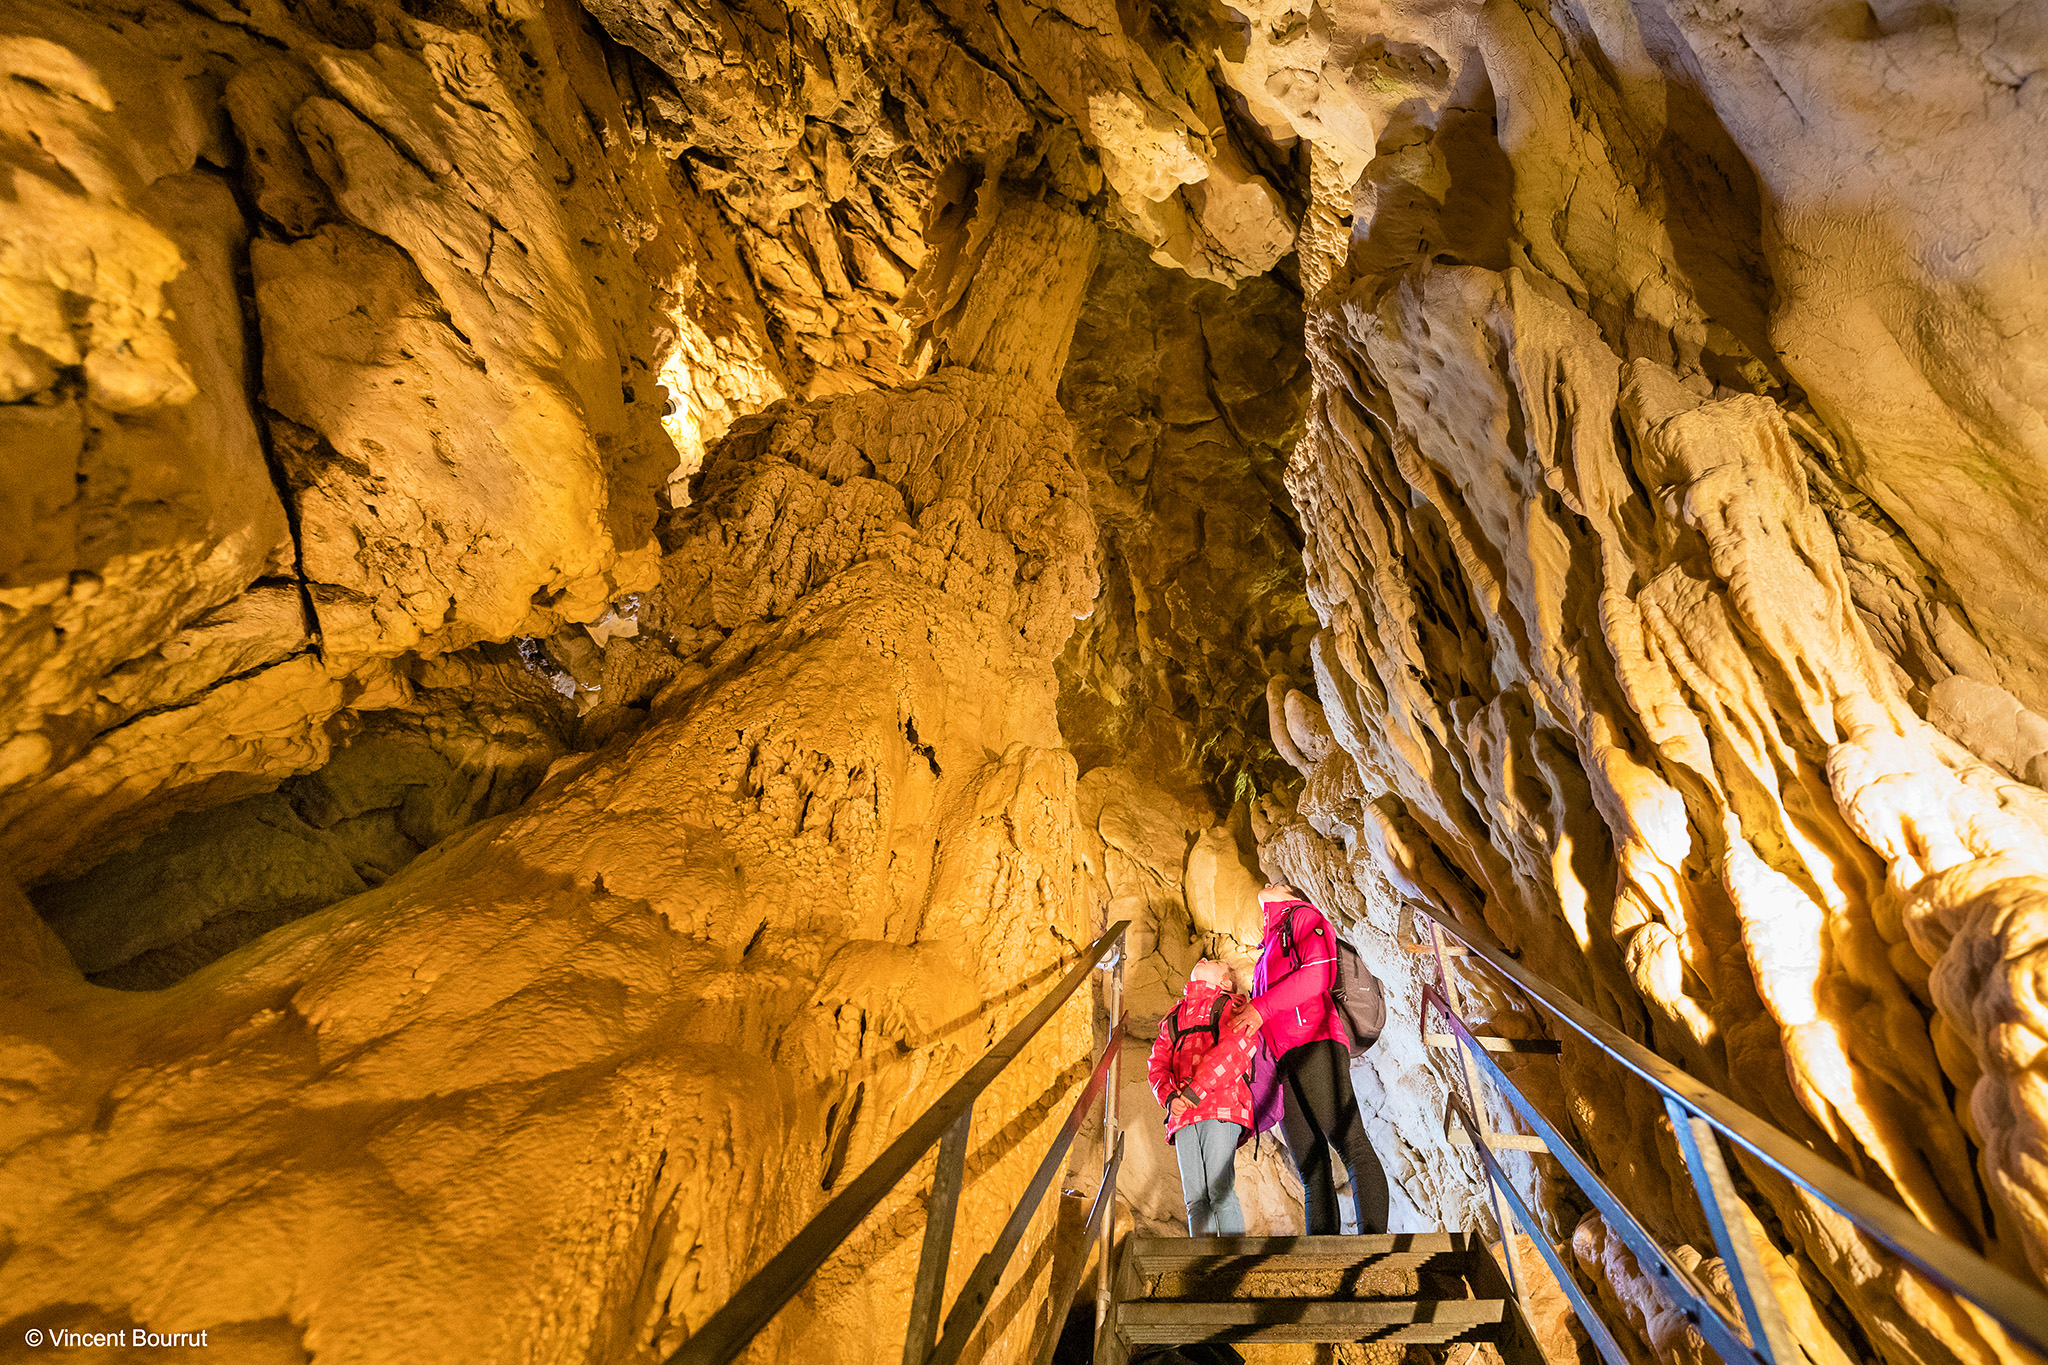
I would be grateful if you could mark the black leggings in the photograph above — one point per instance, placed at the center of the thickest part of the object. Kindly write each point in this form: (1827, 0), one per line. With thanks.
(1318, 1111)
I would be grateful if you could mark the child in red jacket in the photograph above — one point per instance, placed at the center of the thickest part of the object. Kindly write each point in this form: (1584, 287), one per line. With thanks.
(1199, 1068)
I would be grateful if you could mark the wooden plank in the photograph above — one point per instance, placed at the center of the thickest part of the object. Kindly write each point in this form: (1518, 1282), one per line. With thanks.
(1549, 1047)
(1450, 949)
(1170, 1255)
(1504, 1142)
(1128, 1282)
(1294, 1334)
(1319, 1312)
(1200, 1270)
(1311, 1320)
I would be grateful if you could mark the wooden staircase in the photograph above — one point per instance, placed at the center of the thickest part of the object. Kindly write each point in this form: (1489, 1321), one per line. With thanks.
(1389, 1291)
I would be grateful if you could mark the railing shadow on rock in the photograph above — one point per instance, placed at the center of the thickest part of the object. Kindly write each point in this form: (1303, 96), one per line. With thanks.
(1700, 1117)
(729, 1330)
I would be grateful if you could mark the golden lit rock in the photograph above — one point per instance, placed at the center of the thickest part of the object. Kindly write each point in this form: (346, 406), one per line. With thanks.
(594, 599)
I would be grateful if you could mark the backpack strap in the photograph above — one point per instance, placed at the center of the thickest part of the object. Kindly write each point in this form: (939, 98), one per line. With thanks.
(1214, 1027)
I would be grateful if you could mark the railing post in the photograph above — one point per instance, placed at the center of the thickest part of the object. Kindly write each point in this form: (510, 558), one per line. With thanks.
(721, 1337)
(1068, 1286)
(925, 1301)
(1105, 1307)
(1702, 1118)
(1769, 1337)
(1475, 1104)
(979, 1290)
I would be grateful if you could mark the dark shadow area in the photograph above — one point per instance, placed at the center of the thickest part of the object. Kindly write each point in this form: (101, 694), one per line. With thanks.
(212, 880)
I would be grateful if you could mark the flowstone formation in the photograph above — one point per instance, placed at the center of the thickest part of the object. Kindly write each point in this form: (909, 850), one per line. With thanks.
(593, 600)
(1642, 650)
(569, 1029)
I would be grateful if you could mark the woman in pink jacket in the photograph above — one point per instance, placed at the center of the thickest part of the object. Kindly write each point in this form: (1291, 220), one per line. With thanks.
(1303, 1033)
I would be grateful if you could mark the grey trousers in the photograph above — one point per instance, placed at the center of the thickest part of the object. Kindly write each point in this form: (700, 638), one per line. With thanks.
(1208, 1177)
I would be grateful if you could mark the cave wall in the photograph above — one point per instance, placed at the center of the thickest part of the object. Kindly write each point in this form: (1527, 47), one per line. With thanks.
(610, 1050)
(1189, 396)
(316, 369)
(596, 1058)
(1648, 647)
(654, 459)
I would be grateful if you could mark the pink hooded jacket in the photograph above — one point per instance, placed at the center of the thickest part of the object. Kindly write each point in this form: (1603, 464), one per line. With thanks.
(1293, 995)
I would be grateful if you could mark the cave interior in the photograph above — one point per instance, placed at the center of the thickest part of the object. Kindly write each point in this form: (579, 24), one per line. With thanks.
(595, 598)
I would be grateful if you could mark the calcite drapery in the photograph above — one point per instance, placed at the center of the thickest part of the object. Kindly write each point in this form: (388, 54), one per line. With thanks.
(1629, 717)
(1637, 614)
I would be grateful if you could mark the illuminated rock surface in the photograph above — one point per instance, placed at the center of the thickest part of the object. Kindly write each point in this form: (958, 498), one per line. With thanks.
(593, 600)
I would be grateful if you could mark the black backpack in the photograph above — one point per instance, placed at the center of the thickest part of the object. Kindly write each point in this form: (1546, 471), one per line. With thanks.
(1357, 995)
(1214, 1028)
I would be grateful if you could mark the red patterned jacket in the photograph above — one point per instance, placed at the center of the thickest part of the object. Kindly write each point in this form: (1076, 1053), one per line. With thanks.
(1211, 1068)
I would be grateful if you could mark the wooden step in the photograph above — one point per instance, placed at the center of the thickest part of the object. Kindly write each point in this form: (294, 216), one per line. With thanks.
(1150, 1323)
(1211, 1269)
(1388, 1251)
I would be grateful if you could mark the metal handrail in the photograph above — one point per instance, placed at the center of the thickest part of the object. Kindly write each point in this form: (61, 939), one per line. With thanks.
(1679, 1284)
(728, 1331)
(974, 1296)
(1069, 1284)
(2019, 1309)
(1595, 1325)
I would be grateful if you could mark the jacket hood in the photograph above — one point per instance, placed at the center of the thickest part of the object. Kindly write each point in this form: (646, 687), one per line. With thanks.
(1201, 992)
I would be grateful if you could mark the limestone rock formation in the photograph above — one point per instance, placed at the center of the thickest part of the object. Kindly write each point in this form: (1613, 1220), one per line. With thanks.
(1188, 397)
(1625, 663)
(387, 403)
(593, 598)
(617, 1006)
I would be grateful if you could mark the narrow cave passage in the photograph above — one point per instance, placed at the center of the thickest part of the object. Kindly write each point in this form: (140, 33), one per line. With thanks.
(596, 599)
